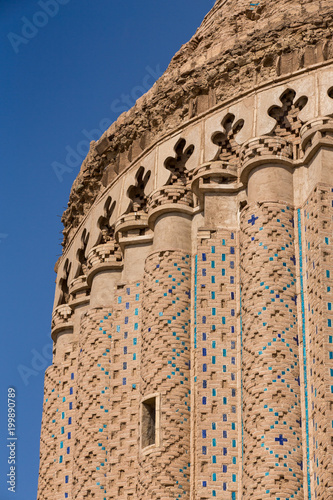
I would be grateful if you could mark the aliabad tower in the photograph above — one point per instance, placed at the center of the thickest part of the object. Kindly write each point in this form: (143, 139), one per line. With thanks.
(193, 313)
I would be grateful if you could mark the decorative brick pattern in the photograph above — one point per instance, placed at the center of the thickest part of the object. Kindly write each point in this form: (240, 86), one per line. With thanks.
(92, 405)
(132, 220)
(217, 341)
(57, 449)
(288, 122)
(319, 129)
(79, 290)
(173, 194)
(104, 254)
(118, 421)
(266, 146)
(316, 221)
(125, 394)
(272, 444)
(48, 439)
(165, 363)
(228, 146)
(65, 422)
(61, 317)
(216, 171)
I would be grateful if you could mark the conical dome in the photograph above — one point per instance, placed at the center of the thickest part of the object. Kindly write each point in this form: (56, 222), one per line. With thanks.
(239, 45)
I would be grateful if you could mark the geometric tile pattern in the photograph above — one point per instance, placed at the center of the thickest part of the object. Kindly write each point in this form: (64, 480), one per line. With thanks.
(124, 402)
(48, 446)
(316, 221)
(217, 368)
(272, 448)
(165, 363)
(253, 438)
(92, 405)
(57, 427)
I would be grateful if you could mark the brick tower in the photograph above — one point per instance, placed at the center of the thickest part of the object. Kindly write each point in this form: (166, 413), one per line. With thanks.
(192, 323)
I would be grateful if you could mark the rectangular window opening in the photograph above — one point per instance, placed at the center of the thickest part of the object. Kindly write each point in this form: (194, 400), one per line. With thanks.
(148, 422)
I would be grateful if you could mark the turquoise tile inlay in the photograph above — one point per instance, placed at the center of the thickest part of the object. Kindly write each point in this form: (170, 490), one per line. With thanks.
(300, 248)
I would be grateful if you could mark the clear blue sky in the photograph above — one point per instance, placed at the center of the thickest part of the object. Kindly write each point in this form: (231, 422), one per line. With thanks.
(57, 79)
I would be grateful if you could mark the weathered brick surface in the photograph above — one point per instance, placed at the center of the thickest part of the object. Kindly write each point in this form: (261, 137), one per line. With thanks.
(270, 360)
(165, 362)
(217, 343)
(92, 405)
(48, 439)
(124, 405)
(316, 227)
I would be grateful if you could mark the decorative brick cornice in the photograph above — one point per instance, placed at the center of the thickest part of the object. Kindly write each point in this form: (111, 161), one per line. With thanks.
(79, 291)
(133, 220)
(133, 228)
(264, 150)
(61, 319)
(103, 257)
(316, 134)
(215, 176)
(174, 198)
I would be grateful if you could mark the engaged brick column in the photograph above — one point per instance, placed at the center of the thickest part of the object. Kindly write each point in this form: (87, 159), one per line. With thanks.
(217, 370)
(165, 357)
(104, 266)
(48, 439)
(272, 443)
(91, 464)
(124, 403)
(217, 366)
(92, 406)
(316, 251)
(135, 239)
(57, 445)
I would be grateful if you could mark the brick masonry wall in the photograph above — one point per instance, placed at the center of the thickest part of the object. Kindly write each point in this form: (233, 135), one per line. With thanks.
(48, 441)
(258, 357)
(57, 440)
(272, 464)
(92, 405)
(95, 405)
(125, 393)
(252, 437)
(316, 229)
(217, 370)
(165, 362)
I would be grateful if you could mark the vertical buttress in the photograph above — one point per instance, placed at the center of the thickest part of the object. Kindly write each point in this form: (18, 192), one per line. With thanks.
(165, 372)
(272, 464)
(92, 405)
